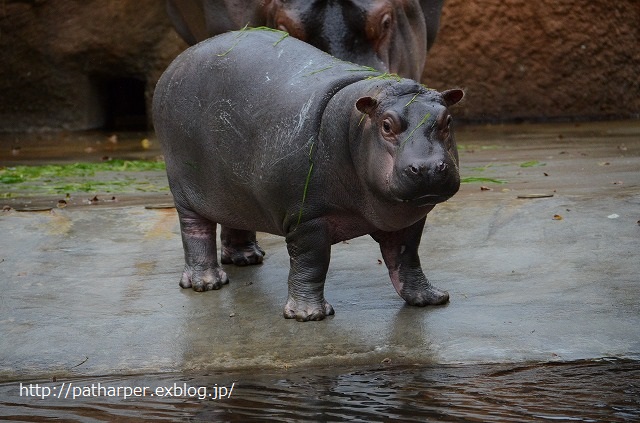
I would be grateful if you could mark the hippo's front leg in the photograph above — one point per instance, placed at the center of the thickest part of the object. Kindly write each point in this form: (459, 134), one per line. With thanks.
(309, 249)
(201, 270)
(400, 253)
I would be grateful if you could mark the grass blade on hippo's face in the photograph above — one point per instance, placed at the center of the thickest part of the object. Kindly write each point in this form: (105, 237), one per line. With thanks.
(424, 119)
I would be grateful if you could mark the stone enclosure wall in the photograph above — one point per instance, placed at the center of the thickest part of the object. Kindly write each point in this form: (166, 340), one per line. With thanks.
(80, 64)
(540, 60)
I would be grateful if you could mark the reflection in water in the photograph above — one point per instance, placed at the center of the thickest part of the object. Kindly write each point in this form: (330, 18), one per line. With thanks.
(603, 390)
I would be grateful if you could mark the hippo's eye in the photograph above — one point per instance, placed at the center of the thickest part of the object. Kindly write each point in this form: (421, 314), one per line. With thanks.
(449, 120)
(386, 127)
(385, 23)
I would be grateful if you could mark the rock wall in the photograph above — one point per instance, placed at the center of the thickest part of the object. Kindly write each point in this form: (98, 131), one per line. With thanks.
(540, 60)
(79, 64)
(67, 64)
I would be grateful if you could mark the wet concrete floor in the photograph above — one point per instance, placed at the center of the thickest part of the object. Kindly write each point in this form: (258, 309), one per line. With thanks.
(92, 289)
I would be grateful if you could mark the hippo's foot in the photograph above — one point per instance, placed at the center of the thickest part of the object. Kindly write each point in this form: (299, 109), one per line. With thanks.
(424, 295)
(203, 279)
(240, 247)
(244, 255)
(303, 312)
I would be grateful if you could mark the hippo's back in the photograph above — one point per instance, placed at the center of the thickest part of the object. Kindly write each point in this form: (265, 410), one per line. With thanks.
(236, 116)
(247, 76)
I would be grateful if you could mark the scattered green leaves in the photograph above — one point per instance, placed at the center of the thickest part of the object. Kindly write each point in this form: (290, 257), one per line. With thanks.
(319, 70)
(474, 179)
(362, 69)
(80, 177)
(237, 38)
(284, 35)
(266, 28)
(532, 163)
(385, 76)
(24, 173)
(262, 28)
(11, 178)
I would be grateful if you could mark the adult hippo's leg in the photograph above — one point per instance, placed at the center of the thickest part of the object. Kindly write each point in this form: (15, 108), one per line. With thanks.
(240, 247)
(309, 249)
(400, 253)
(201, 271)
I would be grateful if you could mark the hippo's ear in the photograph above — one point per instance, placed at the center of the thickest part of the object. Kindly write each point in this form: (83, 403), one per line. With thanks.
(451, 97)
(366, 105)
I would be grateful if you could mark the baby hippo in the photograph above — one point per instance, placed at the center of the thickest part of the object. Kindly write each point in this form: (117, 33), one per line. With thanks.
(263, 132)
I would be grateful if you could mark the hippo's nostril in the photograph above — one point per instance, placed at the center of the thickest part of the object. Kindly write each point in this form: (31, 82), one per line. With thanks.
(422, 169)
(416, 169)
(441, 166)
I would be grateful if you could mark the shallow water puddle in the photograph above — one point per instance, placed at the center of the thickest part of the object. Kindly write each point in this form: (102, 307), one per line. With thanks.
(588, 391)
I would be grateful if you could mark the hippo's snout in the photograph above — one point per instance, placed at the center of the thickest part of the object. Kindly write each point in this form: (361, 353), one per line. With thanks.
(427, 181)
(432, 168)
(429, 175)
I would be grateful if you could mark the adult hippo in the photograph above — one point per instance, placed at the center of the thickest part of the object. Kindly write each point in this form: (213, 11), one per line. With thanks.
(389, 35)
(305, 146)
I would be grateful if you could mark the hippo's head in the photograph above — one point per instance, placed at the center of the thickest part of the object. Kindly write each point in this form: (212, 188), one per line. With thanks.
(388, 35)
(407, 138)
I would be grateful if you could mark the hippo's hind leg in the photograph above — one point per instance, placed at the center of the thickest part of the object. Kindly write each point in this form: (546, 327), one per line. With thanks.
(400, 253)
(201, 271)
(240, 247)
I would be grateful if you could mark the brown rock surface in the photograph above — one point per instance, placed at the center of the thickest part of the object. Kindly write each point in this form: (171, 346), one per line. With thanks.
(74, 64)
(543, 60)
(71, 64)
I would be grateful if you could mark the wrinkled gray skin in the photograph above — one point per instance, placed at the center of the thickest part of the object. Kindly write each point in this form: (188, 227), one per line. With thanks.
(266, 133)
(389, 35)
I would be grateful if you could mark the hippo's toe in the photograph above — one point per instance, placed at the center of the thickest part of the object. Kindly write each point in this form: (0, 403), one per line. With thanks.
(426, 296)
(244, 256)
(304, 312)
(203, 280)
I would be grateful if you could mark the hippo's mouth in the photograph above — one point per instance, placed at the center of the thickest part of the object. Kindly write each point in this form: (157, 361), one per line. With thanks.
(426, 200)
